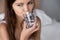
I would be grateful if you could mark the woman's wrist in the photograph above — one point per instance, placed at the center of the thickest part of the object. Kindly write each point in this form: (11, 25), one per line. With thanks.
(23, 38)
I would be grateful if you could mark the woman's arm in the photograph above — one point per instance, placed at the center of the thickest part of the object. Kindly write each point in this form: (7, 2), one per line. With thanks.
(3, 32)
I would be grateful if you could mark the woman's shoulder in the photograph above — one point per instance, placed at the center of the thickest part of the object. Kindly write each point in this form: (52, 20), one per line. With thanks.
(38, 19)
(3, 25)
(3, 31)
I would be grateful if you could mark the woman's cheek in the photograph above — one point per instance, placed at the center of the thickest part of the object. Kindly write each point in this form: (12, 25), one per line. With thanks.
(20, 13)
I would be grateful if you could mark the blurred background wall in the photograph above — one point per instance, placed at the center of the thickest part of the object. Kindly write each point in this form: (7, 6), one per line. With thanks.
(51, 7)
(2, 6)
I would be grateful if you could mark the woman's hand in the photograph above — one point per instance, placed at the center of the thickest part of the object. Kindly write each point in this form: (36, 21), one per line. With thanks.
(26, 33)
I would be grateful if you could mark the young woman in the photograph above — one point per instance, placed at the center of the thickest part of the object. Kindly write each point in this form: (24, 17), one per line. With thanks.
(14, 27)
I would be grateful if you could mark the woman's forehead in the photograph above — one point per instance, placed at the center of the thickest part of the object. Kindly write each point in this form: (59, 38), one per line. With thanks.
(23, 1)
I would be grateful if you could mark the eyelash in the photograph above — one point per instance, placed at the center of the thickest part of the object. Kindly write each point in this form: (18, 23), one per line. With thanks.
(30, 3)
(19, 5)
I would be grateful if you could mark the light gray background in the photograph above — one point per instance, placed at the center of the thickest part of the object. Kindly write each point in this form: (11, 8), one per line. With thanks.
(51, 7)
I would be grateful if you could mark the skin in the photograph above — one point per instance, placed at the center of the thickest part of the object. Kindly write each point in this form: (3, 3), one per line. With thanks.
(20, 8)
(3, 32)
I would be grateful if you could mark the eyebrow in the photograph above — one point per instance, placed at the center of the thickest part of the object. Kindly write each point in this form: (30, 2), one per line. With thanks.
(31, 1)
(22, 3)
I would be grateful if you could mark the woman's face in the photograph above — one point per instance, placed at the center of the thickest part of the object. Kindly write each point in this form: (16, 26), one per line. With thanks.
(20, 7)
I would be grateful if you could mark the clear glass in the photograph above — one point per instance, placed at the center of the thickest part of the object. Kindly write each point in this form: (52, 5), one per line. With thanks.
(30, 18)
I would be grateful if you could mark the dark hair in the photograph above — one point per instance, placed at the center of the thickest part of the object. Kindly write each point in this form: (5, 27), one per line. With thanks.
(10, 18)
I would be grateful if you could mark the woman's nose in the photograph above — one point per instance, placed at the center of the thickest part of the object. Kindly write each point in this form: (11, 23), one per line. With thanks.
(26, 8)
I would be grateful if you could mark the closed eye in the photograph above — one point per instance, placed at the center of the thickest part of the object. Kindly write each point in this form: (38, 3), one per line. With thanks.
(30, 2)
(20, 4)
